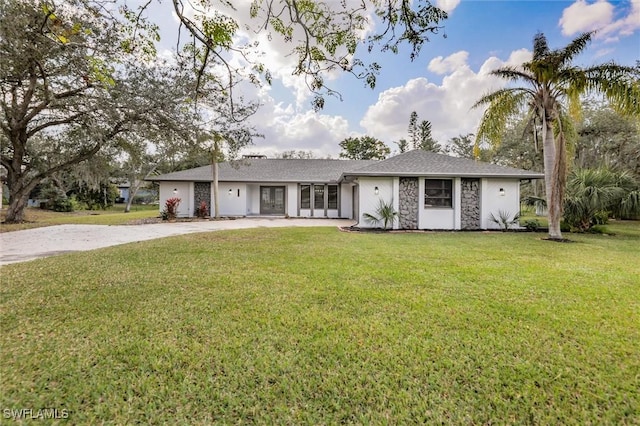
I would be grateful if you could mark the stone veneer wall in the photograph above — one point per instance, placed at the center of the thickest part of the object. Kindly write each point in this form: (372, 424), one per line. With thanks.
(409, 203)
(202, 192)
(470, 204)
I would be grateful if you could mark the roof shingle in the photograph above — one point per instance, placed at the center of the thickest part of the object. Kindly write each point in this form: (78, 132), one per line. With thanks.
(412, 163)
(270, 170)
(426, 163)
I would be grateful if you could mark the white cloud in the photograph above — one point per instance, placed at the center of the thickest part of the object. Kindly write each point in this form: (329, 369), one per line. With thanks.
(600, 16)
(441, 65)
(447, 106)
(284, 128)
(447, 5)
(582, 16)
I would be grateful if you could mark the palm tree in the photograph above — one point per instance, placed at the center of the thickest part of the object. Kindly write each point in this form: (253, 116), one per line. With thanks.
(551, 94)
(594, 194)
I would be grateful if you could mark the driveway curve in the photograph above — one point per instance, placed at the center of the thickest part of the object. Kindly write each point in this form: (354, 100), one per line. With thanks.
(21, 246)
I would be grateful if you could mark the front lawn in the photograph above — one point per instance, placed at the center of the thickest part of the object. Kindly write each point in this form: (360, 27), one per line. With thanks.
(316, 326)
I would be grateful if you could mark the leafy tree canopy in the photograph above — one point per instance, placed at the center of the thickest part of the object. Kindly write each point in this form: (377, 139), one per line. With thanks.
(364, 148)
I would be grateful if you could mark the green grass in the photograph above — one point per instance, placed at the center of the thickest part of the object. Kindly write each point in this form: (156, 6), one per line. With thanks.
(115, 215)
(315, 326)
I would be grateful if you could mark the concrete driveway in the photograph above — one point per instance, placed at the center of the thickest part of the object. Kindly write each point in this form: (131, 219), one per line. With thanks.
(20, 246)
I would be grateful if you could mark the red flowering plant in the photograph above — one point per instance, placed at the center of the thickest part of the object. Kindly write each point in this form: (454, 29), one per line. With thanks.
(202, 210)
(170, 211)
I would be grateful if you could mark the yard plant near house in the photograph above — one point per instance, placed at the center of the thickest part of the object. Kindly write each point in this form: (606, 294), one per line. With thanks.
(315, 326)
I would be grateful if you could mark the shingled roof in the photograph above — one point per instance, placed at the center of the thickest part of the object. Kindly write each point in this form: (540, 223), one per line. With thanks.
(270, 170)
(426, 163)
(412, 163)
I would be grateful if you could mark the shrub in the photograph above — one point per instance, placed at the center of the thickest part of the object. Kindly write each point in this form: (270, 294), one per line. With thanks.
(385, 214)
(170, 211)
(593, 194)
(202, 210)
(504, 219)
(531, 224)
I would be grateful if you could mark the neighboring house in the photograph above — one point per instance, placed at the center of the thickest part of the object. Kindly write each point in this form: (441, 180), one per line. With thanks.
(124, 189)
(429, 190)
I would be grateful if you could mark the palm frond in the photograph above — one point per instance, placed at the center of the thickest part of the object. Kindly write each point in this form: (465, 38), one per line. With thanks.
(514, 74)
(573, 49)
(502, 105)
(386, 214)
(619, 85)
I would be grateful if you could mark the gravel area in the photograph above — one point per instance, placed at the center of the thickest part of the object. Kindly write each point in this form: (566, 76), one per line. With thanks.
(21, 246)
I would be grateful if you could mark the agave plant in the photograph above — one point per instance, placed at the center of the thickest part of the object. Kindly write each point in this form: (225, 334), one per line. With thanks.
(385, 214)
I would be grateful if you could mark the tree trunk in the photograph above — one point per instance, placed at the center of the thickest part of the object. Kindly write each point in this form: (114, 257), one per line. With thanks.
(216, 199)
(18, 200)
(133, 190)
(553, 190)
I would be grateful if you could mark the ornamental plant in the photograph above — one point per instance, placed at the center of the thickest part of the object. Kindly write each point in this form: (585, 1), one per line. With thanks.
(202, 210)
(170, 211)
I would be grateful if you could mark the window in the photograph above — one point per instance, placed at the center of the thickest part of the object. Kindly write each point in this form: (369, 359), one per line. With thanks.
(438, 193)
(305, 196)
(318, 196)
(333, 197)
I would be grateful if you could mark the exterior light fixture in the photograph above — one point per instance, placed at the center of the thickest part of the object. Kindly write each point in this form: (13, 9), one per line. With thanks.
(376, 190)
(175, 191)
(230, 192)
(501, 192)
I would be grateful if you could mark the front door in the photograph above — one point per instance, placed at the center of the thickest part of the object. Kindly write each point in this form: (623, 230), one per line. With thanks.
(272, 200)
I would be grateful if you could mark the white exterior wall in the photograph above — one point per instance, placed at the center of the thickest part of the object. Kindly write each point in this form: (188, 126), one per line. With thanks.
(439, 217)
(253, 199)
(231, 204)
(291, 203)
(183, 190)
(346, 201)
(492, 202)
(369, 201)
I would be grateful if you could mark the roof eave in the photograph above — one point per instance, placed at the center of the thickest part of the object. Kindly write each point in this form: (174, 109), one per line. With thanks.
(465, 175)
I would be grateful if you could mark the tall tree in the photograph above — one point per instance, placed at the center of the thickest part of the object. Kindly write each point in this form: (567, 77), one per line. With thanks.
(426, 141)
(63, 66)
(607, 139)
(67, 92)
(461, 146)
(364, 148)
(414, 133)
(553, 85)
(403, 145)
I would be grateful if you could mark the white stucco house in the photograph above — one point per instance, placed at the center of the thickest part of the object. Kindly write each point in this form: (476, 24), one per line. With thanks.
(429, 190)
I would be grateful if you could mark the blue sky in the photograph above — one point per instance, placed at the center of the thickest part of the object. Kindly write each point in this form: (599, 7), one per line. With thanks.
(450, 74)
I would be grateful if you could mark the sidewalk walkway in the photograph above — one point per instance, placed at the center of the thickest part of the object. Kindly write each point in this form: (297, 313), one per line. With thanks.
(20, 246)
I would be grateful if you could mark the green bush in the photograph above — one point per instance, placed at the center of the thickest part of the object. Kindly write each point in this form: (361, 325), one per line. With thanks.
(531, 224)
(593, 194)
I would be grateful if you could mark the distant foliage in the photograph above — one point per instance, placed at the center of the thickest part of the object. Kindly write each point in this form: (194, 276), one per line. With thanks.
(364, 148)
(100, 197)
